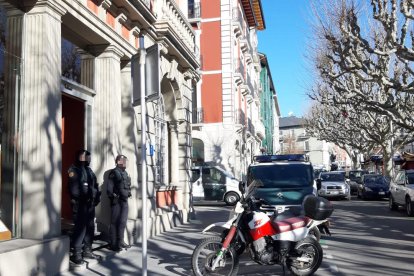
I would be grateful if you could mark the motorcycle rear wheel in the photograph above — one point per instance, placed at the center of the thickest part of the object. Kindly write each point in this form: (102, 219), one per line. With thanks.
(309, 249)
(204, 255)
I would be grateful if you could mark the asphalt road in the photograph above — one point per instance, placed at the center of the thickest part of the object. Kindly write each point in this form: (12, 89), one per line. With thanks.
(367, 239)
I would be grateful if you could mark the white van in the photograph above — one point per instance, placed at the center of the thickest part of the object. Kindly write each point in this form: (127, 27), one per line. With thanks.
(211, 183)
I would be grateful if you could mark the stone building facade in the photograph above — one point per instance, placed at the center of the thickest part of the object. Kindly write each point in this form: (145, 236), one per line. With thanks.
(47, 117)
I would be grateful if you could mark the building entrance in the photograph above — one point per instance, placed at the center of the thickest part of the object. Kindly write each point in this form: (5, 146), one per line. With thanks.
(73, 139)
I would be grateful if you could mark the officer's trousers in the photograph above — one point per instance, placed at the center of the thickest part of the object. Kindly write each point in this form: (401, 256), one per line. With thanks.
(119, 216)
(84, 228)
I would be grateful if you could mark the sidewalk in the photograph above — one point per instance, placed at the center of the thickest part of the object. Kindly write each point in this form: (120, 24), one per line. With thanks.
(167, 254)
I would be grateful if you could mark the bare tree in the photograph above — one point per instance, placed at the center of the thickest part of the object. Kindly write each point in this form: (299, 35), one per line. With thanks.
(363, 56)
(290, 145)
(70, 61)
(371, 48)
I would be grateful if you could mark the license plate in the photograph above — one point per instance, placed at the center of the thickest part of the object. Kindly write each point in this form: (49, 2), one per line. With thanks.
(381, 193)
(334, 193)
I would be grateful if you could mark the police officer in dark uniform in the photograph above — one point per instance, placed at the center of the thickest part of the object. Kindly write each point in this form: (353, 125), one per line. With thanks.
(85, 195)
(119, 190)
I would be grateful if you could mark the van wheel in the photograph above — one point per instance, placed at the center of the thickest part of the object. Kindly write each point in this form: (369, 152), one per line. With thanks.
(231, 198)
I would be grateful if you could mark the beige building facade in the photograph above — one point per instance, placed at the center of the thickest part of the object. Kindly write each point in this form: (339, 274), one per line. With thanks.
(48, 116)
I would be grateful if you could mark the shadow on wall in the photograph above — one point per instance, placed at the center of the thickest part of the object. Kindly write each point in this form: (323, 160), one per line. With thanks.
(217, 158)
(103, 213)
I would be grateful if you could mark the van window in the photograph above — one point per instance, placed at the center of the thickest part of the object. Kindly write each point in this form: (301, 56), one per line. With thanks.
(213, 175)
(195, 175)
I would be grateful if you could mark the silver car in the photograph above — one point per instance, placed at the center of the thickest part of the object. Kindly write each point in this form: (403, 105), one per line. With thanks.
(334, 184)
(402, 191)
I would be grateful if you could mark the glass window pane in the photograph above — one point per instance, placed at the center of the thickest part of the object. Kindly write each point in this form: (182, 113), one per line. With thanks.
(10, 65)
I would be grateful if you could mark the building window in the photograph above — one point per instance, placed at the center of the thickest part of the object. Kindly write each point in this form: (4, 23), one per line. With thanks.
(198, 151)
(71, 61)
(161, 142)
(10, 189)
(306, 146)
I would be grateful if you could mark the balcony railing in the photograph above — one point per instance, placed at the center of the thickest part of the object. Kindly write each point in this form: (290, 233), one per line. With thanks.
(260, 129)
(250, 126)
(250, 85)
(240, 117)
(238, 22)
(176, 22)
(198, 115)
(239, 71)
(194, 10)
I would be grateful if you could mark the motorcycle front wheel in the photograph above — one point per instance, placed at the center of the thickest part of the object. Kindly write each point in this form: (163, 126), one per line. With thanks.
(206, 252)
(307, 257)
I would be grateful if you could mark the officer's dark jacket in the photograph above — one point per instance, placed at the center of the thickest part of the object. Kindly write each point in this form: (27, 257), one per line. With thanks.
(83, 186)
(119, 184)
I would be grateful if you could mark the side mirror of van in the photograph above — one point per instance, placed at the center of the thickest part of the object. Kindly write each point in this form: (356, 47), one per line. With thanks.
(241, 187)
(318, 184)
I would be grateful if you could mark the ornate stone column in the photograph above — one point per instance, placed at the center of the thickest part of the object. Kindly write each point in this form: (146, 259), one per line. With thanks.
(129, 139)
(101, 71)
(35, 37)
(174, 153)
(107, 108)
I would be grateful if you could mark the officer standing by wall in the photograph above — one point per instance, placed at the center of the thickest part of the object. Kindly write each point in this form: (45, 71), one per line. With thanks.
(119, 190)
(85, 195)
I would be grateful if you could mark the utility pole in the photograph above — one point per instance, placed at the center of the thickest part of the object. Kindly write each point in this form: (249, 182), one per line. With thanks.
(142, 56)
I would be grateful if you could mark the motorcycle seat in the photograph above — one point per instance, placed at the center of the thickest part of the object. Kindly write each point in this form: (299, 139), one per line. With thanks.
(289, 224)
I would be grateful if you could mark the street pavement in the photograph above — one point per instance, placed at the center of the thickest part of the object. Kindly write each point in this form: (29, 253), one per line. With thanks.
(168, 253)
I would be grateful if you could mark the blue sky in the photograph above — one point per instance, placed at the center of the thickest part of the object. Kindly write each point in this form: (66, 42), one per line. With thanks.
(284, 42)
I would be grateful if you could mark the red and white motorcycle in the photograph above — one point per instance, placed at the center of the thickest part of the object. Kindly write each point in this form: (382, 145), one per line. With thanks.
(269, 240)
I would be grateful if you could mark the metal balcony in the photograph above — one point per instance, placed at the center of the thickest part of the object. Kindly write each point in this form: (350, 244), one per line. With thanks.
(238, 22)
(194, 11)
(198, 115)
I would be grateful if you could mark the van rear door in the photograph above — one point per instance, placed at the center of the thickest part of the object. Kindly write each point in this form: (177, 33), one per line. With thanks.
(197, 189)
(214, 182)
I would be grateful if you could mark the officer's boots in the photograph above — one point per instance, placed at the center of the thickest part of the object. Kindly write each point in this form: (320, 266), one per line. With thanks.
(87, 253)
(122, 244)
(77, 258)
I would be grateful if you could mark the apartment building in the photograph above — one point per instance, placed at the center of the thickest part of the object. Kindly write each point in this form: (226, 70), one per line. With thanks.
(227, 129)
(269, 108)
(294, 139)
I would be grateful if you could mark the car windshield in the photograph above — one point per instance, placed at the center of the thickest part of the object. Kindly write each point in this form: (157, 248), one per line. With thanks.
(332, 177)
(354, 175)
(375, 179)
(410, 177)
(281, 175)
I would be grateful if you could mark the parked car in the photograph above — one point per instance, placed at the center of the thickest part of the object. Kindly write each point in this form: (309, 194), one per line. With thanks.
(334, 184)
(402, 191)
(317, 172)
(285, 180)
(373, 186)
(355, 177)
(212, 183)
